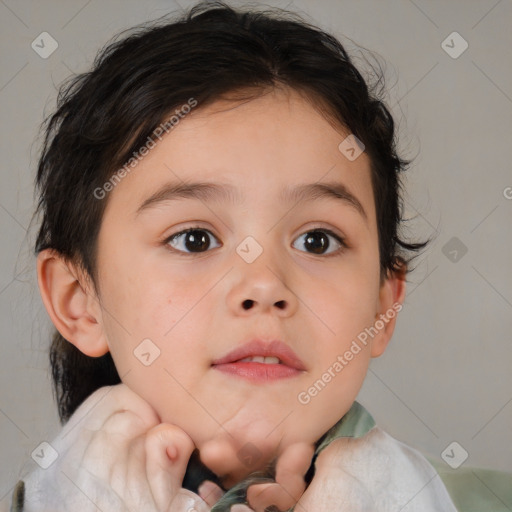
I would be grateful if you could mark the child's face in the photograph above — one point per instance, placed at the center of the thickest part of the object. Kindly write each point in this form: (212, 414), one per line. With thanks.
(191, 304)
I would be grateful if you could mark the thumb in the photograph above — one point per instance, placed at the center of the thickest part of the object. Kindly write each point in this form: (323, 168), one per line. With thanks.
(293, 466)
(290, 485)
(168, 450)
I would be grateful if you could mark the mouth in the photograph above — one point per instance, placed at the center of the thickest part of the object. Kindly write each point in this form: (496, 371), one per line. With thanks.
(261, 361)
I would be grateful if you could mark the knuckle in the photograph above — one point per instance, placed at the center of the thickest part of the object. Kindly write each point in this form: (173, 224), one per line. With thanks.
(169, 434)
(124, 422)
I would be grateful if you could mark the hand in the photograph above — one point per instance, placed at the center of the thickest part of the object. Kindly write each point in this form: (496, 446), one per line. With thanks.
(289, 485)
(115, 455)
(332, 489)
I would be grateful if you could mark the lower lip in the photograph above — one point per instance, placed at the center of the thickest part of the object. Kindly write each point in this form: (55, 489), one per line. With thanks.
(260, 372)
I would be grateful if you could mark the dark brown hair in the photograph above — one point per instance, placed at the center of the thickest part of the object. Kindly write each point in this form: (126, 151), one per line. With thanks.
(137, 81)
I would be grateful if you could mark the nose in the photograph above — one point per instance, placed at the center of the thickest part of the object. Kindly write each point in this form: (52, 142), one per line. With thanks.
(260, 288)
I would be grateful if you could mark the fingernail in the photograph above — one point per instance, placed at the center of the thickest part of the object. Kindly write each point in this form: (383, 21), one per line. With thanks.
(207, 489)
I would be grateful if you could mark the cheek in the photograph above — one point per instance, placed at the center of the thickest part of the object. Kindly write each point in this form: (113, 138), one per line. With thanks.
(346, 302)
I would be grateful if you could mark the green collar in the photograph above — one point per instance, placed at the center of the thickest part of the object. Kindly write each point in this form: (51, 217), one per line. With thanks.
(357, 422)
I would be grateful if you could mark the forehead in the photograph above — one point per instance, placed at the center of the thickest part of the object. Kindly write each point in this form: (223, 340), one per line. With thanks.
(260, 148)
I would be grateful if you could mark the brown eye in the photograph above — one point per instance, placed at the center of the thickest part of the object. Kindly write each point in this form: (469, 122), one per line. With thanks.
(191, 240)
(318, 241)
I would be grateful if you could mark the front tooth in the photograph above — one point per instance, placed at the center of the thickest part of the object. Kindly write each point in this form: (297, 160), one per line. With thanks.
(260, 359)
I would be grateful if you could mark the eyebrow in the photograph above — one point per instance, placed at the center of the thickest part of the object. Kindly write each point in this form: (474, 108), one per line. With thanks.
(210, 192)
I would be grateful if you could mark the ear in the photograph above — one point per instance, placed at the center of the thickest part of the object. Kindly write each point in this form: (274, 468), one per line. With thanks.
(391, 297)
(71, 303)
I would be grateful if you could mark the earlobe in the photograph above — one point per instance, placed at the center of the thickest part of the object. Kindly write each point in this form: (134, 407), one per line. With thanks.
(71, 305)
(391, 297)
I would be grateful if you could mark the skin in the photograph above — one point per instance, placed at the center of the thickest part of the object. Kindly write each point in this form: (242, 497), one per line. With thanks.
(190, 304)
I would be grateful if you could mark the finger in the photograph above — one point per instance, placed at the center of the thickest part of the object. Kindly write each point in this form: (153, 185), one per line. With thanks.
(240, 508)
(168, 450)
(110, 443)
(124, 423)
(210, 492)
(187, 501)
(103, 403)
(262, 496)
(293, 465)
(129, 477)
(290, 485)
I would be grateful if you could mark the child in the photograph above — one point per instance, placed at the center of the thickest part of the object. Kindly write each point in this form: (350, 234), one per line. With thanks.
(193, 378)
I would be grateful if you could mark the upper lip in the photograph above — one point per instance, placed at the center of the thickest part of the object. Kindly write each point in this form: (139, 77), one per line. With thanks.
(257, 347)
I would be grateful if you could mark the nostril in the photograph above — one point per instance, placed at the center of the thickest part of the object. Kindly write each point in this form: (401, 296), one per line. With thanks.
(247, 304)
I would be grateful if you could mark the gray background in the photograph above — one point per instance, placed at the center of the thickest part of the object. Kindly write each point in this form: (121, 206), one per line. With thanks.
(446, 375)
